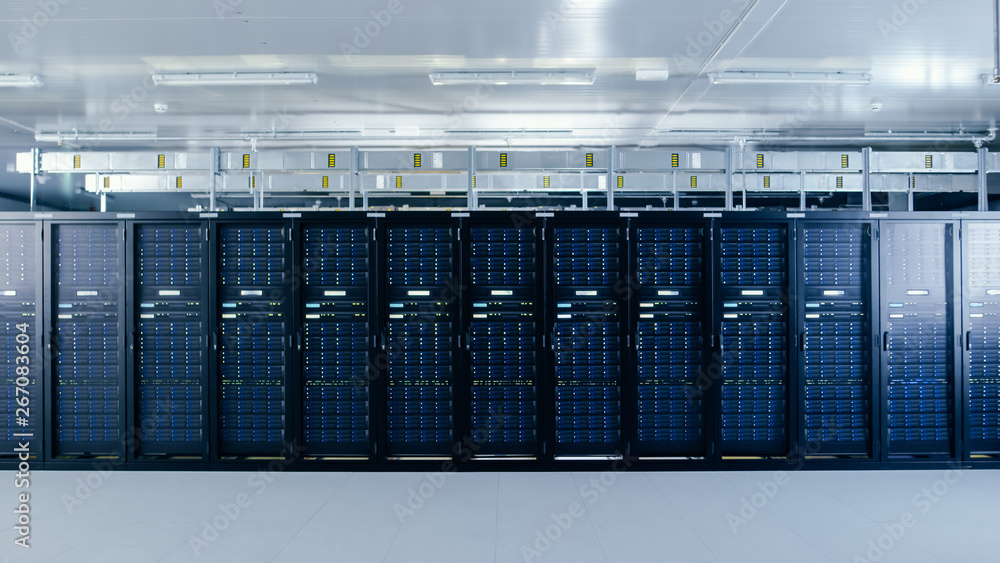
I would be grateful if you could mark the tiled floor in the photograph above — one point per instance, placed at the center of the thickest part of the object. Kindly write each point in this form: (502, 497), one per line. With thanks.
(800, 517)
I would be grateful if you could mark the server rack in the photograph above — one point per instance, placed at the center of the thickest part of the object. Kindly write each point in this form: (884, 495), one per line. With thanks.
(252, 338)
(837, 305)
(588, 291)
(981, 301)
(753, 316)
(420, 335)
(85, 319)
(503, 319)
(335, 337)
(21, 315)
(669, 328)
(169, 339)
(919, 339)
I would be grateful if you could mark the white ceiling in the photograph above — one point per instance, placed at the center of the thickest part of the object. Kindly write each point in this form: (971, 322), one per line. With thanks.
(927, 58)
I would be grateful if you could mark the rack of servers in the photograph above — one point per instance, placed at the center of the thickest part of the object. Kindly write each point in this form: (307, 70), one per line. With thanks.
(502, 340)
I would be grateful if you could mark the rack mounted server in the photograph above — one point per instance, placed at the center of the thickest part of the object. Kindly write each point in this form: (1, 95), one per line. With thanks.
(511, 340)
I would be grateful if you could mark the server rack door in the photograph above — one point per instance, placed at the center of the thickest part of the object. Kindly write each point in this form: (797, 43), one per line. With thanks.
(335, 334)
(170, 339)
(503, 324)
(253, 337)
(753, 311)
(980, 244)
(918, 349)
(423, 288)
(587, 260)
(88, 339)
(20, 314)
(835, 347)
(668, 330)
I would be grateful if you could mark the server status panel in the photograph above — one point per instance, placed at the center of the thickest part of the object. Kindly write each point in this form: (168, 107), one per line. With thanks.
(836, 343)
(502, 334)
(20, 316)
(87, 339)
(589, 291)
(669, 324)
(170, 339)
(335, 337)
(918, 344)
(253, 339)
(753, 315)
(420, 336)
(981, 243)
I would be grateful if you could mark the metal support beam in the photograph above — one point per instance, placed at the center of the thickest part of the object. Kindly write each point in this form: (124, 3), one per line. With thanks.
(36, 161)
(104, 202)
(612, 179)
(802, 191)
(213, 177)
(355, 178)
(866, 185)
(984, 187)
(909, 192)
(471, 173)
(730, 174)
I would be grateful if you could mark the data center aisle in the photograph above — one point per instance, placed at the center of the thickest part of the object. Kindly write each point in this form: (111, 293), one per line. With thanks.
(887, 516)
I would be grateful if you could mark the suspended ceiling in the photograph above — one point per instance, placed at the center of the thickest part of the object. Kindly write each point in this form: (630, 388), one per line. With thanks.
(927, 60)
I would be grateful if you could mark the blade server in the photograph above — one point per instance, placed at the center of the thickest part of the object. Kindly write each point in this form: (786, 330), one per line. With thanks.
(170, 341)
(982, 338)
(253, 339)
(836, 340)
(420, 339)
(754, 338)
(87, 340)
(502, 339)
(669, 339)
(586, 343)
(917, 343)
(336, 327)
(19, 300)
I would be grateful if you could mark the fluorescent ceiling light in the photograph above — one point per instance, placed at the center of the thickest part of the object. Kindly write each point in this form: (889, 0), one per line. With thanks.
(501, 78)
(235, 79)
(789, 77)
(20, 80)
(652, 74)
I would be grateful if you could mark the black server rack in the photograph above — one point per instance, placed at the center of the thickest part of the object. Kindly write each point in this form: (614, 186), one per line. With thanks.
(589, 291)
(20, 314)
(669, 307)
(503, 321)
(753, 346)
(420, 338)
(253, 337)
(335, 338)
(836, 342)
(981, 272)
(87, 315)
(918, 342)
(170, 340)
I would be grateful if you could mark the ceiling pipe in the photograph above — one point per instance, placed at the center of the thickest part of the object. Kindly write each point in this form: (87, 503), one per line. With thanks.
(498, 139)
(996, 39)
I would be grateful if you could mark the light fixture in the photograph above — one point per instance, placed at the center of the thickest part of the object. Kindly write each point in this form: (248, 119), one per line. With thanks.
(789, 77)
(512, 77)
(235, 79)
(20, 80)
(652, 74)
